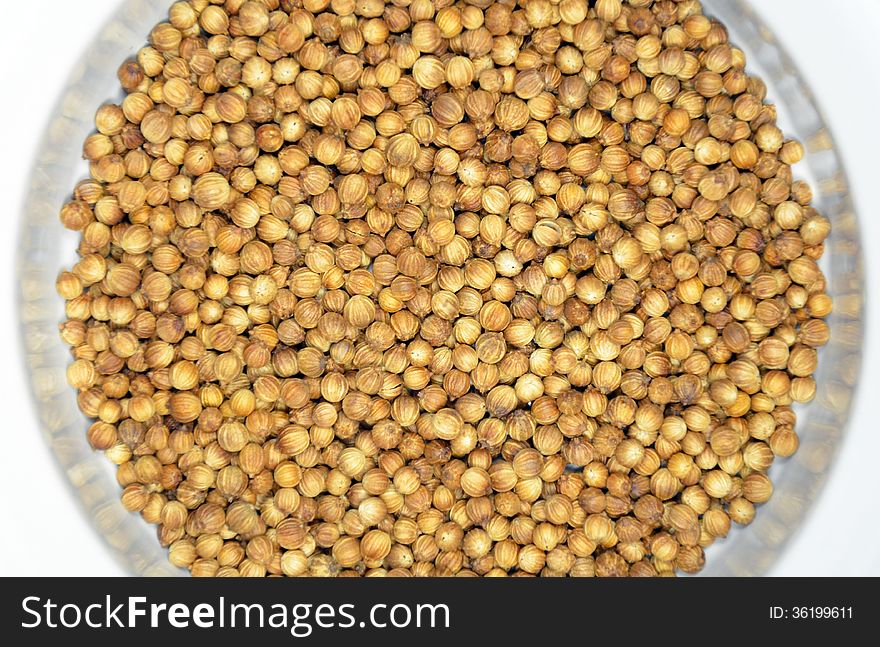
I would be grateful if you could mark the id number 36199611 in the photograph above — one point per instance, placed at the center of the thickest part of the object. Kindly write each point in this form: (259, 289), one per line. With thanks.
(811, 613)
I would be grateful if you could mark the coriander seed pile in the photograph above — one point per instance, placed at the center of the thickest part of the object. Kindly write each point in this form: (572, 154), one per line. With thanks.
(442, 287)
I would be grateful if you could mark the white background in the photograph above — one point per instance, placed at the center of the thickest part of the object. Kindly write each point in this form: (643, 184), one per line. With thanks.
(42, 531)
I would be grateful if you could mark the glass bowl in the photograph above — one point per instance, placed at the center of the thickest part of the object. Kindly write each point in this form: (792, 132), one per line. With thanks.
(46, 247)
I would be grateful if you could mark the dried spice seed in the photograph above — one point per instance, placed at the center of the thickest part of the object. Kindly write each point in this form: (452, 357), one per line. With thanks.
(442, 288)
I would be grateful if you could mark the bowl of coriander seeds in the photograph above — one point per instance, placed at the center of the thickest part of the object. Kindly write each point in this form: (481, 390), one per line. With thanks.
(441, 288)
